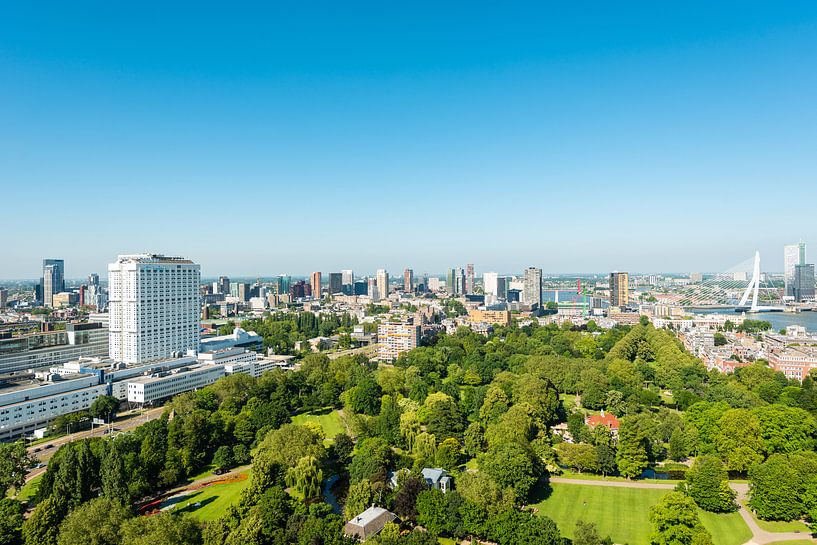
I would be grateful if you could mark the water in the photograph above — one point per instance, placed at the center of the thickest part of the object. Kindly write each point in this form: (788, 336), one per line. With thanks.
(565, 296)
(779, 320)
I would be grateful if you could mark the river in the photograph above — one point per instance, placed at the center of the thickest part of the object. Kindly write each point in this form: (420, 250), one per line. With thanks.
(779, 320)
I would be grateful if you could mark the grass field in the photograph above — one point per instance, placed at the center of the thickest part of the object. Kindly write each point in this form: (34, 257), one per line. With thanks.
(213, 500)
(330, 421)
(782, 526)
(623, 513)
(29, 489)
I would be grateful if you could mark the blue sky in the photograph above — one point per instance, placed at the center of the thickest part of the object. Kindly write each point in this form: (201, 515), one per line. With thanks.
(262, 139)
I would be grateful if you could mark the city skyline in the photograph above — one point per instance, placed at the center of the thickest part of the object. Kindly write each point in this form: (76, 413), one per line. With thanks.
(635, 138)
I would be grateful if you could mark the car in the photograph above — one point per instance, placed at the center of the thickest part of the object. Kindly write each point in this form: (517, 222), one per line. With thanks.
(38, 449)
(38, 466)
(48, 446)
(218, 471)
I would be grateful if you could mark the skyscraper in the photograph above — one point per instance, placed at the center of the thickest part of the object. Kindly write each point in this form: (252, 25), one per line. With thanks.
(52, 280)
(154, 307)
(335, 283)
(4, 297)
(489, 283)
(469, 278)
(223, 285)
(315, 284)
(450, 282)
(347, 277)
(382, 284)
(459, 281)
(532, 291)
(619, 289)
(803, 284)
(793, 255)
(408, 280)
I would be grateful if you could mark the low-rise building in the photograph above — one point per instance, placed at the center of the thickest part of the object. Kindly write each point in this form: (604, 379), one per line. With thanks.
(368, 523)
(237, 339)
(26, 405)
(501, 317)
(42, 350)
(169, 383)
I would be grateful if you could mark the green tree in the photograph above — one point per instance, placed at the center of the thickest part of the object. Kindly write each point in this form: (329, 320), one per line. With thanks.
(104, 407)
(305, 477)
(578, 456)
(14, 465)
(512, 466)
(290, 443)
(358, 499)
(632, 453)
(432, 511)
(738, 440)
(223, 457)
(162, 529)
(43, 526)
(11, 521)
(586, 533)
(675, 522)
(708, 484)
(97, 522)
(448, 454)
(776, 489)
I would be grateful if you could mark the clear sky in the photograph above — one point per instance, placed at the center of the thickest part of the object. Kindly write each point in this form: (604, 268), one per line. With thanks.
(276, 137)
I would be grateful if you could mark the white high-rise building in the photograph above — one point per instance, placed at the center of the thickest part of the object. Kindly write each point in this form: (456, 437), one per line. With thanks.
(154, 306)
(532, 293)
(489, 283)
(793, 254)
(382, 284)
(347, 277)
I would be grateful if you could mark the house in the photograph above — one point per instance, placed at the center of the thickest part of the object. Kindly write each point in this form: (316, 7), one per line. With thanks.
(602, 419)
(368, 523)
(437, 478)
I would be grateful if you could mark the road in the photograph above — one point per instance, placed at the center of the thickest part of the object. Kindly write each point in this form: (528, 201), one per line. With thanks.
(759, 535)
(125, 421)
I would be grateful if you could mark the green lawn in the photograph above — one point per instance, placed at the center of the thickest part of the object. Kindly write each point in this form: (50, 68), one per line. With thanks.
(30, 488)
(330, 421)
(213, 500)
(782, 526)
(623, 513)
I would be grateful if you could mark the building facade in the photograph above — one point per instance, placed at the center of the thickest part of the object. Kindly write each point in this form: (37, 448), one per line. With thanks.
(408, 280)
(396, 338)
(382, 284)
(619, 289)
(803, 283)
(154, 307)
(793, 255)
(335, 283)
(532, 291)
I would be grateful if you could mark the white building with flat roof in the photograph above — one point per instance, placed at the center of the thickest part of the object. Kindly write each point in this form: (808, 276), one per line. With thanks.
(169, 383)
(154, 307)
(26, 406)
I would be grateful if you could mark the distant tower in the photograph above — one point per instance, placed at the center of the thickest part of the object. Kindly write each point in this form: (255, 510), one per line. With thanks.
(469, 278)
(315, 284)
(408, 280)
(382, 284)
(619, 289)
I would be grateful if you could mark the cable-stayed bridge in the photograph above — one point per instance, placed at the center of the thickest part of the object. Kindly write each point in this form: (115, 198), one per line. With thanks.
(743, 288)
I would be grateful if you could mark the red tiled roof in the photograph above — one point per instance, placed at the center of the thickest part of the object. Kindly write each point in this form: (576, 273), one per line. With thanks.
(608, 420)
